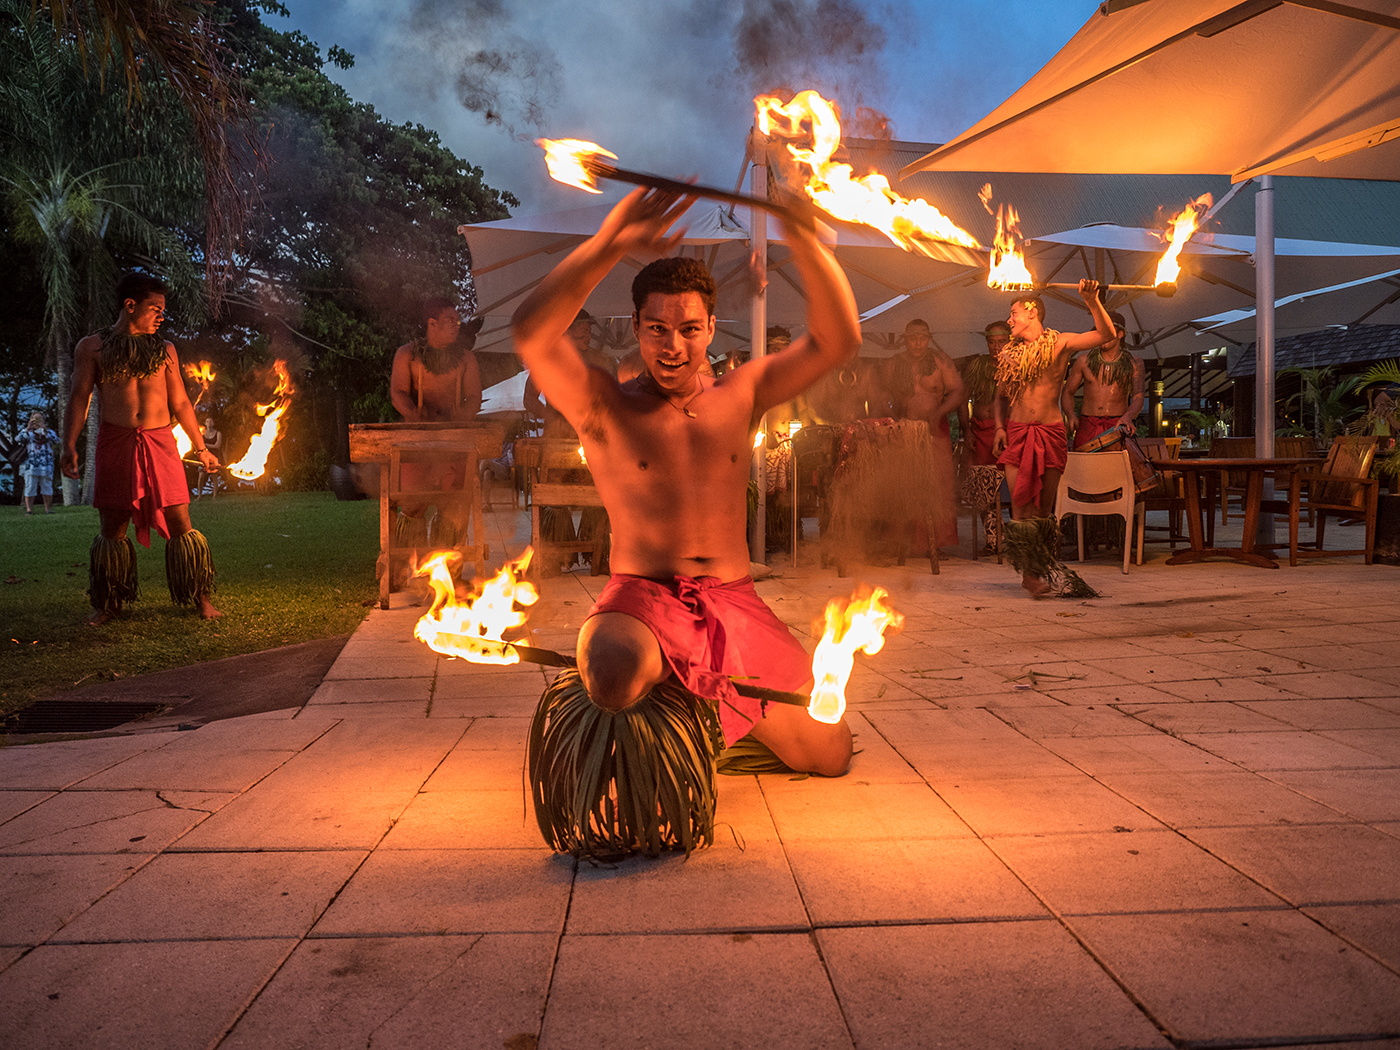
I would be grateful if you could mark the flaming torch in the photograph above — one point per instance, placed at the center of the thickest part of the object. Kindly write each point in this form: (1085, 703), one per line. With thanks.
(1182, 227)
(857, 623)
(473, 629)
(254, 463)
(835, 189)
(1008, 270)
(202, 373)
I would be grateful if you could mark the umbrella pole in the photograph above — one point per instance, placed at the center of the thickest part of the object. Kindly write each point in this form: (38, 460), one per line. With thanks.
(1264, 339)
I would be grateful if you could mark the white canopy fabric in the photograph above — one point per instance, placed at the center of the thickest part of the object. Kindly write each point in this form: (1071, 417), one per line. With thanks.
(506, 399)
(1301, 87)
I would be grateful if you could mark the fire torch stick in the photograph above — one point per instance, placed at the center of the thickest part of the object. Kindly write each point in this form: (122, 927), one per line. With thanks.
(1166, 289)
(601, 169)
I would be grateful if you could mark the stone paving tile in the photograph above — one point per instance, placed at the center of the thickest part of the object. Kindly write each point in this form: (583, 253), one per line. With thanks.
(1223, 798)
(905, 880)
(969, 986)
(1233, 690)
(1375, 928)
(1206, 717)
(217, 896)
(415, 665)
(817, 810)
(55, 766)
(385, 744)
(902, 728)
(952, 760)
(1046, 806)
(370, 712)
(274, 731)
(1286, 750)
(478, 992)
(486, 734)
(1312, 864)
(1338, 657)
(1040, 723)
(1383, 743)
(39, 894)
(485, 706)
(1254, 976)
(1099, 756)
(1327, 714)
(288, 817)
(13, 803)
(186, 769)
(526, 688)
(939, 685)
(874, 760)
(467, 770)
(1125, 693)
(1369, 795)
(494, 819)
(1135, 872)
(372, 691)
(399, 892)
(168, 995)
(1329, 684)
(1153, 669)
(771, 989)
(98, 822)
(1016, 697)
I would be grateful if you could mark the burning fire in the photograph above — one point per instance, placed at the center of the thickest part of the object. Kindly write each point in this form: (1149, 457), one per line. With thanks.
(255, 462)
(1008, 271)
(860, 623)
(581, 457)
(832, 187)
(203, 373)
(473, 629)
(567, 159)
(1182, 227)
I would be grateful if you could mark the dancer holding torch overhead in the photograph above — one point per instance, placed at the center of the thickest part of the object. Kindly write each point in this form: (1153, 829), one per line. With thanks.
(669, 451)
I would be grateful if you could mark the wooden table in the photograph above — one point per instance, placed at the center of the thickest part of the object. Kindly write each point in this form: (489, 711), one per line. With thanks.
(1254, 470)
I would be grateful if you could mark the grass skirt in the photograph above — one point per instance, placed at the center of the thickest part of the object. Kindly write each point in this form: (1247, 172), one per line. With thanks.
(1032, 547)
(112, 573)
(189, 568)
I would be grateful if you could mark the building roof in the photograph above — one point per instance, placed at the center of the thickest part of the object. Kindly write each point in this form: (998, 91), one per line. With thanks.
(1355, 345)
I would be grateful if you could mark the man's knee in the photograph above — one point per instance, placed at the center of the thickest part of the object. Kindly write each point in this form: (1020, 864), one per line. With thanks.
(618, 660)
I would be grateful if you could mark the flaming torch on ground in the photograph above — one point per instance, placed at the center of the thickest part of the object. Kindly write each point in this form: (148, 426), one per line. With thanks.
(251, 466)
(473, 629)
(855, 624)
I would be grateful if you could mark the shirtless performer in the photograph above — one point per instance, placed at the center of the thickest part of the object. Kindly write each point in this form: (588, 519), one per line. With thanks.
(434, 379)
(670, 453)
(1112, 379)
(1031, 445)
(975, 416)
(140, 476)
(924, 384)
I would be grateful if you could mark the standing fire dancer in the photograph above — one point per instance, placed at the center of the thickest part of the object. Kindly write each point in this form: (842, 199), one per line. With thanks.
(1112, 379)
(1032, 444)
(670, 453)
(140, 476)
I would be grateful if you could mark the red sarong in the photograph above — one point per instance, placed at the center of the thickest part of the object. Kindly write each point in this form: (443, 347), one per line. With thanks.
(139, 471)
(982, 432)
(709, 630)
(1091, 427)
(1033, 448)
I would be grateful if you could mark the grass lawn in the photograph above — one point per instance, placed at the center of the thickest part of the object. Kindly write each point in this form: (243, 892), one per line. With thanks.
(292, 567)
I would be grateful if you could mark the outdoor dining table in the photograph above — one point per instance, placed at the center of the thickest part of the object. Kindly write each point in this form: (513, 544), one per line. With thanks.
(1254, 470)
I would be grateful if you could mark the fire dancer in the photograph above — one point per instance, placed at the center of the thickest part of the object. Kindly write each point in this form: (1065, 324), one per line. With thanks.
(1112, 379)
(670, 455)
(140, 476)
(1031, 445)
(434, 379)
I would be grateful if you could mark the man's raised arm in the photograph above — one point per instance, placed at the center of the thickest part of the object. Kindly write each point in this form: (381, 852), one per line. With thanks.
(1103, 328)
(833, 327)
(638, 223)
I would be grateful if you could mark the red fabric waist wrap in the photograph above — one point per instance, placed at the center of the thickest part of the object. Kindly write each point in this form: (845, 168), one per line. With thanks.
(139, 471)
(1033, 448)
(709, 630)
(981, 434)
(1091, 427)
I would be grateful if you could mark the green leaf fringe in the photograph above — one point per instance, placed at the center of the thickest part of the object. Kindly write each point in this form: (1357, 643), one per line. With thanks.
(112, 573)
(609, 784)
(1032, 546)
(189, 568)
(748, 756)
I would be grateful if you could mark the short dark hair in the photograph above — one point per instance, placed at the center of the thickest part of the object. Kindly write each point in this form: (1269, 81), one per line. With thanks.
(582, 315)
(919, 322)
(138, 287)
(997, 326)
(1035, 303)
(674, 276)
(1118, 322)
(434, 306)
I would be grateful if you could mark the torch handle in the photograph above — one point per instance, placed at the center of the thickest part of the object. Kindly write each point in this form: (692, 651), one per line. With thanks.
(657, 182)
(1106, 287)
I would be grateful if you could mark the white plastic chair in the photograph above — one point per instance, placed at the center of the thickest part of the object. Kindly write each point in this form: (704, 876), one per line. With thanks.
(1100, 474)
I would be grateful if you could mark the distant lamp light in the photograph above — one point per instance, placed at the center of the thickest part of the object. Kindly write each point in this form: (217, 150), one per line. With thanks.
(793, 426)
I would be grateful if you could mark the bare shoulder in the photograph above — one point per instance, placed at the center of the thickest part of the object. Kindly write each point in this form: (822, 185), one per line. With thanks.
(89, 344)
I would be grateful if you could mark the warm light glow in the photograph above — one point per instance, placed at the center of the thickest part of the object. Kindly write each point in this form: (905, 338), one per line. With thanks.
(857, 623)
(254, 463)
(581, 457)
(834, 188)
(794, 425)
(1182, 227)
(203, 373)
(758, 439)
(473, 629)
(1008, 271)
(566, 161)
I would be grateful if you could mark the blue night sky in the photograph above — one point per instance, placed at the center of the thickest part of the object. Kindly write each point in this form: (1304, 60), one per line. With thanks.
(667, 84)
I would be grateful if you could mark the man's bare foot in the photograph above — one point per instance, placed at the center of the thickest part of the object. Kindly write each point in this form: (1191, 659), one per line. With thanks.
(206, 610)
(101, 616)
(1037, 587)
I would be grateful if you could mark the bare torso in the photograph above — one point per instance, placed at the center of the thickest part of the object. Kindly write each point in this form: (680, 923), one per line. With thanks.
(1039, 400)
(422, 396)
(1101, 398)
(127, 401)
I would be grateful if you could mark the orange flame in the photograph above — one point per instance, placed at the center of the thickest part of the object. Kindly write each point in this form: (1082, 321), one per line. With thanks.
(860, 623)
(567, 159)
(255, 462)
(473, 629)
(204, 374)
(1008, 271)
(758, 439)
(832, 187)
(581, 457)
(1182, 227)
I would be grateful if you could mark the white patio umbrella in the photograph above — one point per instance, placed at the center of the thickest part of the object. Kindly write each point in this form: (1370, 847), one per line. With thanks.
(1248, 89)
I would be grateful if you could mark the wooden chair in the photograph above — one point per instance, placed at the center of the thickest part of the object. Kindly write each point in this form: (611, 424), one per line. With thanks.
(556, 477)
(1169, 495)
(1342, 488)
(1100, 483)
(1231, 481)
(462, 506)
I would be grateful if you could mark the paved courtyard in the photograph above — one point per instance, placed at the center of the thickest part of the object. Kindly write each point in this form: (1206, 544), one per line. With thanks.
(1169, 816)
